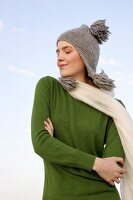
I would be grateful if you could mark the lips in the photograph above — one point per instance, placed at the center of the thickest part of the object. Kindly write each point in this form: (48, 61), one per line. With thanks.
(62, 65)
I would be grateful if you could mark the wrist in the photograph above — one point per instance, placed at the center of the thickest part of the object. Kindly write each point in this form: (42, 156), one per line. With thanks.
(97, 164)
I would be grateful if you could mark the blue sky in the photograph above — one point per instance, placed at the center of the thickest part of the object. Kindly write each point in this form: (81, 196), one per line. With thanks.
(28, 33)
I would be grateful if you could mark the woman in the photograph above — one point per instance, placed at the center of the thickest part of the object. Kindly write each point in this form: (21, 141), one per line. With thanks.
(80, 145)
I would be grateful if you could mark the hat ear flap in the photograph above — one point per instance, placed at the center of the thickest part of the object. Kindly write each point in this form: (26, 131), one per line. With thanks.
(103, 81)
(68, 83)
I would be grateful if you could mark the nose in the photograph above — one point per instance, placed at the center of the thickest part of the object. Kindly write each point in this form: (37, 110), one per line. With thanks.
(60, 56)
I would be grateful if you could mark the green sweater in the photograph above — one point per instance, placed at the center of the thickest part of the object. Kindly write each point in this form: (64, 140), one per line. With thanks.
(81, 133)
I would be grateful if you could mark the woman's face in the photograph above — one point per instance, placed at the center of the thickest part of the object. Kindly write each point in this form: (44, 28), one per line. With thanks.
(69, 61)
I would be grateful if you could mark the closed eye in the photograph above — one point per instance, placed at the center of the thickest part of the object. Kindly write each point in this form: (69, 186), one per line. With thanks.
(67, 52)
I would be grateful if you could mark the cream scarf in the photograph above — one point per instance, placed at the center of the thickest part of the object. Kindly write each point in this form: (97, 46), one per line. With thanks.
(107, 104)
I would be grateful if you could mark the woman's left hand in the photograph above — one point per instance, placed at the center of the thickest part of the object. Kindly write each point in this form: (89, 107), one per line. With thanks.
(49, 126)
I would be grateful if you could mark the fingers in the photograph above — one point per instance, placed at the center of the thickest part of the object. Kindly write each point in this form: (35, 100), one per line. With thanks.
(122, 171)
(117, 180)
(120, 175)
(49, 126)
(119, 160)
(112, 183)
(111, 171)
(50, 123)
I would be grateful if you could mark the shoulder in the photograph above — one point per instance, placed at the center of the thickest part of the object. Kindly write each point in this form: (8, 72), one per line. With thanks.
(47, 81)
(49, 84)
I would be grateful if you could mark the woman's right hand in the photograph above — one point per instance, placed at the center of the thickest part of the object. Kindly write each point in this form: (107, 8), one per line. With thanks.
(108, 169)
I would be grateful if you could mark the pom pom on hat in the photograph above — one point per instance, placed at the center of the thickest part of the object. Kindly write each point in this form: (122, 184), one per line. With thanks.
(100, 31)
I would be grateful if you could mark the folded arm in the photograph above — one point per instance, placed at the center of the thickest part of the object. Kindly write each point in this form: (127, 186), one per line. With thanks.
(48, 147)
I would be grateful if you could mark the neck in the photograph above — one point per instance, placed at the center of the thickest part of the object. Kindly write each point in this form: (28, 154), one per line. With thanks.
(90, 82)
(85, 79)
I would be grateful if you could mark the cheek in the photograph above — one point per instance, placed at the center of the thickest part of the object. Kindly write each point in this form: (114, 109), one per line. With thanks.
(73, 58)
(76, 61)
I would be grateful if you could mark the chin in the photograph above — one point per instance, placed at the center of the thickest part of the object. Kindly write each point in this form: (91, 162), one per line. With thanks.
(64, 75)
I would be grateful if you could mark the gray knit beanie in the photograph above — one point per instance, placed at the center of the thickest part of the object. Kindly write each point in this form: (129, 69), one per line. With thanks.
(86, 41)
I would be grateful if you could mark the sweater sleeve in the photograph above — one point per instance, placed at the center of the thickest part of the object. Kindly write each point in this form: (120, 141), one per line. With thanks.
(48, 147)
(113, 145)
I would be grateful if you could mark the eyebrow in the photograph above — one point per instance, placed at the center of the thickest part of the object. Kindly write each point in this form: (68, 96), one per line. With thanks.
(65, 47)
